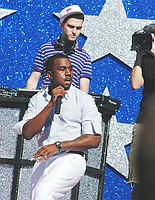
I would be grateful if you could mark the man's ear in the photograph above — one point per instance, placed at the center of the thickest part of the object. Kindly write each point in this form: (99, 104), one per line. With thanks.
(49, 74)
(61, 25)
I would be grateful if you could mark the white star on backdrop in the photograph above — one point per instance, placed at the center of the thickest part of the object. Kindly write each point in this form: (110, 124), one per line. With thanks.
(120, 135)
(5, 12)
(111, 33)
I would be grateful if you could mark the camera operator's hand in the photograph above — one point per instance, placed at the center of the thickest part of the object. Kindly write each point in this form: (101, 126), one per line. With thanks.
(139, 56)
(140, 52)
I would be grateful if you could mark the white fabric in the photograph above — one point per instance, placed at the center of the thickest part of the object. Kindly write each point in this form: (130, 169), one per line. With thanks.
(70, 10)
(78, 116)
(51, 180)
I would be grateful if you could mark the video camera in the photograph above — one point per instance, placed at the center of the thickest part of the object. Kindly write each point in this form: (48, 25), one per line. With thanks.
(142, 40)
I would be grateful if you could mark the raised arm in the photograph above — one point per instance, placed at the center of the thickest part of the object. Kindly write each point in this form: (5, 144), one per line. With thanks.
(136, 75)
(34, 125)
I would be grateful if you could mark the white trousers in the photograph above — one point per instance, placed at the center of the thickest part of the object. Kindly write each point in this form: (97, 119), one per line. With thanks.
(52, 179)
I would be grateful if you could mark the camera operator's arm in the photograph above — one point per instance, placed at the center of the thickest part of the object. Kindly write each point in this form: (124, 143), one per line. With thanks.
(136, 75)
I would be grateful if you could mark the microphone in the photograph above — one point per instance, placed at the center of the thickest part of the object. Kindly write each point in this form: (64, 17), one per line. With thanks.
(58, 105)
(149, 28)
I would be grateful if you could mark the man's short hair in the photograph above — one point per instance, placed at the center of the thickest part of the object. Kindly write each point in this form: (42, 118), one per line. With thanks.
(76, 16)
(49, 63)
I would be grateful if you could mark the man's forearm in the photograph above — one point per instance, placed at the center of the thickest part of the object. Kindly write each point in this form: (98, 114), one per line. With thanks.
(86, 141)
(84, 84)
(136, 75)
(34, 125)
(33, 80)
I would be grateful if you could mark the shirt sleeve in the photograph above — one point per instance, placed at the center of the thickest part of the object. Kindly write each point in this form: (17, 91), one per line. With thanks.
(29, 114)
(87, 68)
(39, 61)
(91, 118)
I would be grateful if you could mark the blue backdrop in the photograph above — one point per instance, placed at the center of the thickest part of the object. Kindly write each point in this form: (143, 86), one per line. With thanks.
(33, 24)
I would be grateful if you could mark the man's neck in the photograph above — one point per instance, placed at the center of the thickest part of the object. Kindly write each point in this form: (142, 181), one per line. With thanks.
(67, 43)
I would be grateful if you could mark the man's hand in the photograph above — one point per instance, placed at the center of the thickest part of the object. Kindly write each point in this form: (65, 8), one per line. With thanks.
(58, 91)
(45, 152)
(30, 128)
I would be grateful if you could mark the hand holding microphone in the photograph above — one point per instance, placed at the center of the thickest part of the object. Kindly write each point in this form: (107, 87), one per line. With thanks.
(57, 94)
(58, 105)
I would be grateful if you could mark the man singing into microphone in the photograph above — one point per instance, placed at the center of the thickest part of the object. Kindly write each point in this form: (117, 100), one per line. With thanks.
(63, 139)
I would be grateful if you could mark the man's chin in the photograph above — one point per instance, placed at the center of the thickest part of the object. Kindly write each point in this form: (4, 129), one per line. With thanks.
(66, 87)
(72, 39)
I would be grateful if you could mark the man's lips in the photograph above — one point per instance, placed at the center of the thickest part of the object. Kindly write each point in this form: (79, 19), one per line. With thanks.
(68, 79)
(72, 36)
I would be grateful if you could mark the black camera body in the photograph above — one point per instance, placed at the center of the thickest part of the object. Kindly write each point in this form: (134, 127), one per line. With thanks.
(142, 40)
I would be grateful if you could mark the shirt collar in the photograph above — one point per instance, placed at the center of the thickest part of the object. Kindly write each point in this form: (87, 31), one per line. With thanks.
(69, 93)
(67, 96)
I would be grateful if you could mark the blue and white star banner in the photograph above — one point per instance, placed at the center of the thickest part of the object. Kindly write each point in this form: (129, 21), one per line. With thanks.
(107, 37)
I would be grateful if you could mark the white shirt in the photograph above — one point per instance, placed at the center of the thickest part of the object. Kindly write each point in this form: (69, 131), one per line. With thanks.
(78, 116)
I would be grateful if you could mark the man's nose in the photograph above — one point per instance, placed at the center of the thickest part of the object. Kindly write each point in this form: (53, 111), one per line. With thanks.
(74, 30)
(67, 71)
